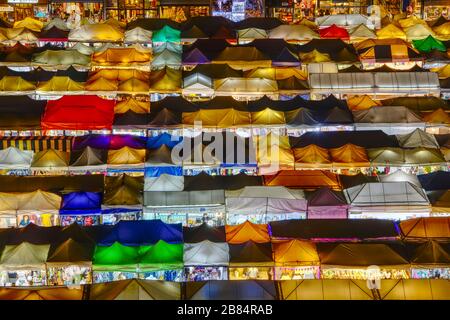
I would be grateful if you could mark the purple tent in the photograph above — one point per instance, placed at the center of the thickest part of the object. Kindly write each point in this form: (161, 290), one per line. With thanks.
(108, 142)
(325, 203)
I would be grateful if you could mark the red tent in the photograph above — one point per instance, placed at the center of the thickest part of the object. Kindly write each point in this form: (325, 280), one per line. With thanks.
(78, 113)
(334, 32)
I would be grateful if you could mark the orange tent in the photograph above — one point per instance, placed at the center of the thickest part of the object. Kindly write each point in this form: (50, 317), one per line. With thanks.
(295, 252)
(118, 56)
(311, 156)
(349, 155)
(304, 179)
(437, 116)
(247, 231)
(426, 228)
(131, 104)
(361, 102)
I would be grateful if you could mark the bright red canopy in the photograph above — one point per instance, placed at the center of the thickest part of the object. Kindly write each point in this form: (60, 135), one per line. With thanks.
(334, 32)
(78, 113)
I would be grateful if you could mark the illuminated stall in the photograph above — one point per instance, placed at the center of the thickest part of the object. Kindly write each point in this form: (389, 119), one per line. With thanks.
(236, 10)
(83, 208)
(251, 261)
(49, 162)
(430, 260)
(88, 160)
(181, 10)
(206, 260)
(325, 203)
(13, 158)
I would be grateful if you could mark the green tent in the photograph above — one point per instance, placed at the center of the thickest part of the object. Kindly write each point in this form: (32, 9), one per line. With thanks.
(166, 34)
(116, 257)
(161, 256)
(429, 44)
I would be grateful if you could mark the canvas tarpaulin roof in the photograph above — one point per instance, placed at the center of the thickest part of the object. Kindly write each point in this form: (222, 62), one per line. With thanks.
(204, 232)
(249, 34)
(60, 84)
(161, 256)
(417, 104)
(251, 254)
(390, 31)
(418, 31)
(400, 176)
(439, 116)
(295, 252)
(161, 156)
(443, 31)
(119, 56)
(36, 200)
(247, 231)
(70, 252)
(132, 104)
(222, 118)
(440, 201)
(88, 157)
(428, 44)
(327, 229)
(126, 156)
(417, 138)
(429, 254)
(223, 290)
(231, 86)
(334, 32)
(14, 158)
(101, 32)
(293, 32)
(386, 114)
(361, 32)
(78, 113)
(61, 57)
(311, 156)
(123, 190)
(344, 20)
(325, 203)
(185, 200)
(426, 228)
(165, 80)
(206, 253)
(50, 158)
(116, 257)
(29, 23)
(349, 155)
(164, 182)
(24, 256)
(166, 34)
(16, 84)
(303, 179)
(138, 35)
(166, 58)
(81, 202)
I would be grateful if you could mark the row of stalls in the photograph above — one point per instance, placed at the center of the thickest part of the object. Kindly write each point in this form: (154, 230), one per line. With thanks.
(152, 250)
(220, 200)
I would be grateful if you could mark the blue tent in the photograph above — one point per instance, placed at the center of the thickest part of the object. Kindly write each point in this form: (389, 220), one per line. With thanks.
(143, 232)
(163, 139)
(438, 180)
(76, 203)
(151, 172)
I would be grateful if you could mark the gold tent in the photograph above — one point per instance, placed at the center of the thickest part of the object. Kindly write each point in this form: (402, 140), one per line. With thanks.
(102, 84)
(245, 86)
(362, 102)
(437, 116)
(304, 179)
(29, 23)
(266, 73)
(134, 85)
(418, 31)
(60, 84)
(268, 117)
(391, 31)
(136, 290)
(444, 72)
(16, 84)
(349, 155)
(274, 153)
(426, 228)
(443, 31)
(131, 104)
(60, 293)
(165, 80)
(314, 57)
(442, 204)
(20, 34)
(221, 118)
(100, 32)
(411, 21)
(126, 156)
(121, 56)
(295, 252)
(50, 158)
(379, 42)
(247, 231)
(311, 156)
(119, 74)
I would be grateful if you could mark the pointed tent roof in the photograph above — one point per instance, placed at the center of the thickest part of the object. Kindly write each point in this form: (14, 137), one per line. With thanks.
(116, 256)
(39, 200)
(131, 104)
(50, 158)
(71, 251)
(390, 31)
(428, 44)
(293, 32)
(362, 102)
(8, 83)
(312, 156)
(138, 35)
(123, 190)
(56, 22)
(314, 56)
(361, 32)
(81, 200)
(12, 157)
(247, 231)
(100, 32)
(61, 57)
(161, 155)
(417, 138)
(206, 253)
(349, 155)
(164, 182)
(437, 22)
(430, 252)
(24, 256)
(126, 156)
(440, 201)
(166, 58)
(251, 253)
(60, 84)
(87, 156)
(164, 118)
(334, 32)
(166, 79)
(249, 34)
(326, 197)
(133, 85)
(54, 34)
(418, 31)
(193, 33)
(204, 232)
(21, 34)
(437, 116)
(301, 116)
(426, 228)
(29, 23)
(295, 252)
(292, 84)
(400, 176)
(162, 255)
(386, 114)
(417, 104)
(102, 84)
(166, 34)
(303, 179)
(113, 56)
(443, 30)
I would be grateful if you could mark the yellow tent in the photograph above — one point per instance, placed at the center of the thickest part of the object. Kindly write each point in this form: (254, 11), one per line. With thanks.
(379, 42)
(119, 56)
(275, 152)
(102, 84)
(119, 74)
(311, 156)
(115, 23)
(221, 118)
(444, 72)
(126, 156)
(20, 34)
(131, 104)
(284, 73)
(437, 116)
(362, 102)
(15, 84)
(266, 73)
(39, 200)
(134, 85)
(391, 31)
(306, 22)
(100, 32)
(29, 23)
(247, 231)
(446, 153)
(418, 31)
(411, 21)
(426, 228)
(61, 57)
(349, 155)
(314, 57)
(245, 86)
(3, 35)
(165, 80)
(295, 252)
(50, 158)
(60, 84)
(443, 31)
(268, 117)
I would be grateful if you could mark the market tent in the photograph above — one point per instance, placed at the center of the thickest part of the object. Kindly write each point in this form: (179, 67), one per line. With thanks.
(71, 252)
(303, 179)
(417, 104)
(135, 289)
(143, 232)
(56, 22)
(29, 23)
(251, 254)
(362, 102)
(165, 80)
(268, 117)
(409, 157)
(50, 158)
(440, 202)
(422, 229)
(24, 35)
(293, 33)
(161, 156)
(410, 21)
(443, 31)
(100, 32)
(116, 257)
(361, 32)
(16, 84)
(247, 231)
(88, 158)
(229, 290)
(243, 57)
(14, 158)
(314, 56)
(336, 229)
(326, 203)
(249, 34)
(61, 293)
(390, 31)
(311, 156)
(118, 74)
(430, 254)
(400, 176)
(83, 49)
(134, 85)
(166, 34)
(424, 156)
(264, 200)
(444, 72)
(418, 31)
(206, 253)
(166, 58)
(417, 138)
(334, 32)
(344, 20)
(60, 57)
(24, 256)
(164, 182)
(429, 44)
(389, 54)
(437, 22)
(387, 116)
(274, 150)
(301, 116)
(138, 35)
(132, 104)
(121, 56)
(222, 118)
(295, 252)
(78, 113)
(161, 256)
(123, 190)
(102, 84)
(245, 86)
(349, 155)
(60, 84)
(192, 34)
(81, 202)
(437, 116)
(54, 34)
(204, 232)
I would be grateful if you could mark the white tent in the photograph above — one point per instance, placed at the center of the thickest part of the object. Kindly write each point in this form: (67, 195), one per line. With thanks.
(25, 256)
(361, 32)
(206, 253)
(197, 83)
(346, 20)
(56, 22)
(417, 138)
(400, 176)
(138, 35)
(164, 182)
(83, 49)
(293, 32)
(166, 58)
(14, 158)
